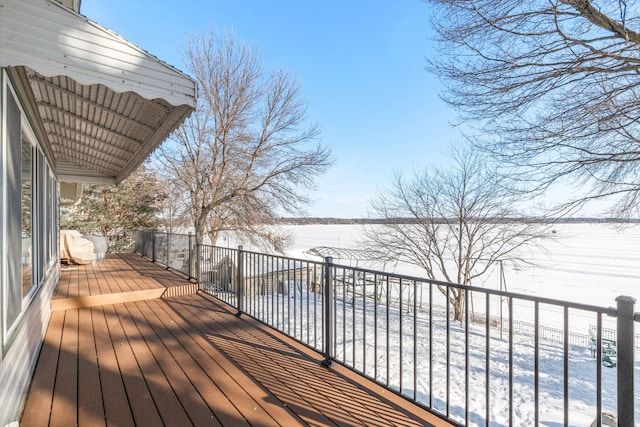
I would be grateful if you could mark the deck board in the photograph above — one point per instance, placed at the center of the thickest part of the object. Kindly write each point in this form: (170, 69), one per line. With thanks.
(117, 409)
(267, 372)
(157, 378)
(38, 406)
(90, 406)
(187, 360)
(143, 407)
(268, 359)
(175, 361)
(251, 400)
(63, 409)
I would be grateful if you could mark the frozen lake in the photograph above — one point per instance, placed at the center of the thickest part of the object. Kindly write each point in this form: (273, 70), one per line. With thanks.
(590, 263)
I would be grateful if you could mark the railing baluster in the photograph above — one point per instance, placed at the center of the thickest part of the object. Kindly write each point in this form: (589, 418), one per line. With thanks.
(566, 365)
(308, 297)
(510, 307)
(467, 298)
(190, 257)
(599, 370)
(353, 319)
(334, 285)
(430, 344)
(388, 338)
(364, 323)
(415, 340)
(153, 247)
(344, 315)
(448, 352)
(240, 284)
(401, 334)
(259, 284)
(375, 326)
(536, 363)
(487, 356)
(168, 250)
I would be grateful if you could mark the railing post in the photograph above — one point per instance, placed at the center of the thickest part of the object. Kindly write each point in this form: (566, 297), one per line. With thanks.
(328, 311)
(153, 246)
(198, 265)
(240, 280)
(626, 362)
(190, 256)
(168, 249)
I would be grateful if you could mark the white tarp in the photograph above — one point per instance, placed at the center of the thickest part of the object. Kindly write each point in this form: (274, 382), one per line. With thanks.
(75, 248)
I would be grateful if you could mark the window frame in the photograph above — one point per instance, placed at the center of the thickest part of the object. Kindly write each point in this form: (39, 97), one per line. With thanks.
(44, 217)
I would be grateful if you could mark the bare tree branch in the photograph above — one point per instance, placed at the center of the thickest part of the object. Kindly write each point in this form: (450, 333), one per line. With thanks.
(455, 223)
(248, 150)
(551, 86)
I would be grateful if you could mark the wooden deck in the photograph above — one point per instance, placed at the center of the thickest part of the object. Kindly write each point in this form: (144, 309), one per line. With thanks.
(177, 357)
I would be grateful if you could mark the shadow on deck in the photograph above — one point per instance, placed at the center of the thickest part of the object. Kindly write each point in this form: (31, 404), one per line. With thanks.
(130, 343)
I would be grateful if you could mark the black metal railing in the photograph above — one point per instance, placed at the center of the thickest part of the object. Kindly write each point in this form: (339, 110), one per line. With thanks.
(175, 251)
(400, 332)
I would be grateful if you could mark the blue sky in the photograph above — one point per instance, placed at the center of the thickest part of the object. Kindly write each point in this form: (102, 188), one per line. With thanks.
(362, 69)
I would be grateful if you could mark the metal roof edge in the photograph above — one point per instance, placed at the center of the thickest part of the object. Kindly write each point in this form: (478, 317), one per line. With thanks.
(55, 40)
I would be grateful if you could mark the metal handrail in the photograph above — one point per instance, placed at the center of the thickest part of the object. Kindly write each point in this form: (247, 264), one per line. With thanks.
(397, 329)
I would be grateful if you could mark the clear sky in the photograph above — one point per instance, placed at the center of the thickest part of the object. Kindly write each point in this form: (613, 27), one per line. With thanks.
(361, 65)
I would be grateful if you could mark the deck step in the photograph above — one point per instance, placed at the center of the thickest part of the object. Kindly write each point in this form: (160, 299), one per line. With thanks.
(122, 297)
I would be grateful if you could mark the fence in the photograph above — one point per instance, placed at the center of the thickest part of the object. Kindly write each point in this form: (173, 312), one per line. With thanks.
(465, 364)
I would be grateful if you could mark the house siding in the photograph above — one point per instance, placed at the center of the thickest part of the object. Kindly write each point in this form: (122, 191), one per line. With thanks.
(18, 364)
(45, 45)
(54, 40)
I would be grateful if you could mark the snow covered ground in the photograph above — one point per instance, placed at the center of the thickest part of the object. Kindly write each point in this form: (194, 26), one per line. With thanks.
(585, 263)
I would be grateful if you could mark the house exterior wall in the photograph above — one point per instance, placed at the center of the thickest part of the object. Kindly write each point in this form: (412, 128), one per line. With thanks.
(29, 263)
(44, 46)
(54, 40)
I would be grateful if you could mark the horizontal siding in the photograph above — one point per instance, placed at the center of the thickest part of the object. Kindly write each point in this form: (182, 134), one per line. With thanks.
(17, 367)
(30, 34)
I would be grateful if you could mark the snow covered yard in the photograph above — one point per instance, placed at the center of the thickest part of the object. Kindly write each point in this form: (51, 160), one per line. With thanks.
(450, 366)
(446, 366)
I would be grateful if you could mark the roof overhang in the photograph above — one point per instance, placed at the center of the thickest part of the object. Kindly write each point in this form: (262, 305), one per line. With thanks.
(103, 103)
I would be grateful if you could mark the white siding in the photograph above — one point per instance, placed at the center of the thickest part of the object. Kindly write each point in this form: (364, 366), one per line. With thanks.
(55, 40)
(17, 366)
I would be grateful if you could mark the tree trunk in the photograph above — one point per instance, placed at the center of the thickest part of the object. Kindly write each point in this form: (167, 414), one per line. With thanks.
(458, 306)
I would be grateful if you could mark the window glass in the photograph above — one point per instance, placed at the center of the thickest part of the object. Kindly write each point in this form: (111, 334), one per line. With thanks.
(27, 215)
(12, 288)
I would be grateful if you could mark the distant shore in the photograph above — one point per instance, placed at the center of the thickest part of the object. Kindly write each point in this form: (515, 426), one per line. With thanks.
(348, 221)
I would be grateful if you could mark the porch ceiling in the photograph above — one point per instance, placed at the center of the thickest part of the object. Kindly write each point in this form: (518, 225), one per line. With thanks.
(97, 134)
(101, 103)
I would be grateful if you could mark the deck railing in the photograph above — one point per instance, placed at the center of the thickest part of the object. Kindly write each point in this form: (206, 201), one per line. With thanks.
(484, 368)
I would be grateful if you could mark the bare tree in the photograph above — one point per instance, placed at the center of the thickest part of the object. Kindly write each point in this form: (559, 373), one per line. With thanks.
(552, 85)
(455, 223)
(247, 151)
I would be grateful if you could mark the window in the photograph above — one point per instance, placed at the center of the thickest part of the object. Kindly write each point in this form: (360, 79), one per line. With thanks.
(29, 212)
(26, 215)
(12, 226)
